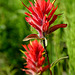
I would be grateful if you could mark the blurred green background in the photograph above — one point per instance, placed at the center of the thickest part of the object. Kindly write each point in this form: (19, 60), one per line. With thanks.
(14, 28)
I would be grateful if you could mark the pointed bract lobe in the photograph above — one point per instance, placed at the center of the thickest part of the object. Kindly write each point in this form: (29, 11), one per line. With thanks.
(51, 29)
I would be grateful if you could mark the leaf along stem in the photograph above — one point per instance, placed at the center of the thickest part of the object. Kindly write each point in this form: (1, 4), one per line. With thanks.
(55, 62)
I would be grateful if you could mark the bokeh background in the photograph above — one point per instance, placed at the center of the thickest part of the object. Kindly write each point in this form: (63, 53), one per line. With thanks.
(14, 28)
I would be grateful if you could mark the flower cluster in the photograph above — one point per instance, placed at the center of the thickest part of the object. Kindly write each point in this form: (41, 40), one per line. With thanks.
(42, 16)
(34, 58)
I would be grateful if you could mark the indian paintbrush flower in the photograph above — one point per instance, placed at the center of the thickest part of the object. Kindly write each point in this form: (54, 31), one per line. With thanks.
(34, 58)
(42, 15)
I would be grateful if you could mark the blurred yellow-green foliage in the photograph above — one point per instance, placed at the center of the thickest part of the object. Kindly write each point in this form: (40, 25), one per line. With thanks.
(13, 28)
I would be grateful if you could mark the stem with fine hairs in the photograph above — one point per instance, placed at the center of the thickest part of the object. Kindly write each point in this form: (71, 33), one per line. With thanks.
(46, 54)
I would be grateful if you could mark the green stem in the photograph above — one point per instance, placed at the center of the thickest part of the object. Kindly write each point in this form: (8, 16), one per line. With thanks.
(46, 54)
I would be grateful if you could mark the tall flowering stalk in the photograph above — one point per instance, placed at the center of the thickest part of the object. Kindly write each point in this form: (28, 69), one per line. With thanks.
(41, 17)
(34, 58)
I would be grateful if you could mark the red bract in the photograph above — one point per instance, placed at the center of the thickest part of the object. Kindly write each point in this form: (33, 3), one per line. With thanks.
(34, 58)
(40, 18)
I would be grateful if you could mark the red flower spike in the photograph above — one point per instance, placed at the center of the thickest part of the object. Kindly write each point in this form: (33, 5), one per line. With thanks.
(34, 58)
(38, 18)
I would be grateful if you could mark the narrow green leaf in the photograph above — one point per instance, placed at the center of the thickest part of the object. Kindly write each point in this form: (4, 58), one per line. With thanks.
(57, 61)
(22, 51)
